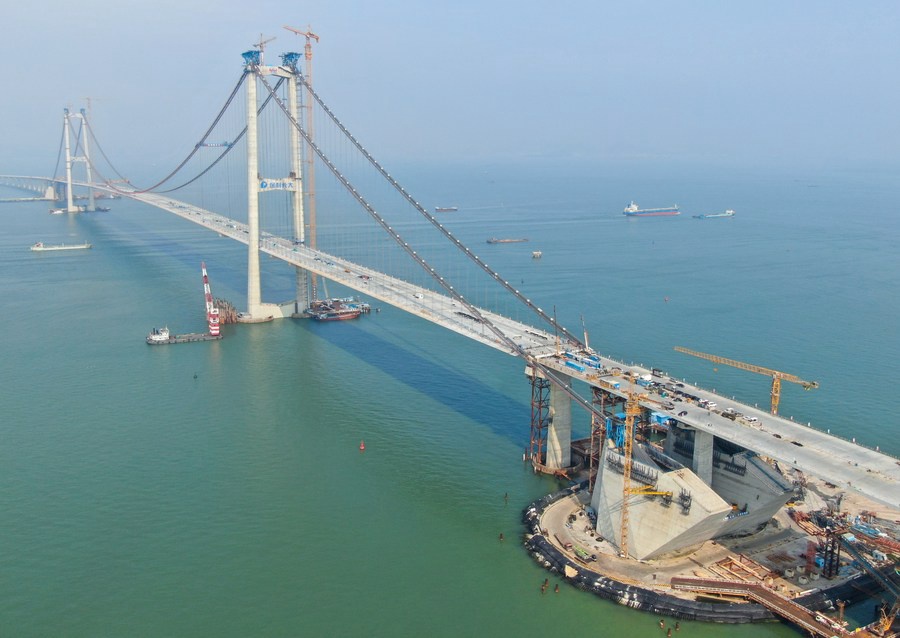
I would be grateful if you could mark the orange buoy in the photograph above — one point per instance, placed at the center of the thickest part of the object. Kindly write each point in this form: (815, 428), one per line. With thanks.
(362, 446)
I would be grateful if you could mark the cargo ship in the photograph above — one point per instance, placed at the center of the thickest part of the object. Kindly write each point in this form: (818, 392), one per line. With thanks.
(42, 247)
(727, 213)
(632, 210)
(494, 240)
(446, 209)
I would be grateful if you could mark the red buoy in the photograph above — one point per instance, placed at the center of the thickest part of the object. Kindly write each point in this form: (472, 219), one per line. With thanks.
(362, 446)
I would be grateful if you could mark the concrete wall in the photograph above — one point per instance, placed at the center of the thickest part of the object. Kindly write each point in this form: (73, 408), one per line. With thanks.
(760, 490)
(655, 529)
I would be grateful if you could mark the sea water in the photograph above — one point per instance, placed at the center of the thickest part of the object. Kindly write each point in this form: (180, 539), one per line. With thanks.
(218, 489)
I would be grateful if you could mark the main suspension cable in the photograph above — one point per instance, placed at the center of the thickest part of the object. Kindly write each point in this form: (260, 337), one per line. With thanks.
(551, 321)
(102, 153)
(515, 348)
(62, 138)
(196, 148)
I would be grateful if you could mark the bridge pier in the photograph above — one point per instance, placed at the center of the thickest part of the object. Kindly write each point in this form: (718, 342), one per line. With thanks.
(559, 430)
(697, 446)
(702, 460)
(551, 424)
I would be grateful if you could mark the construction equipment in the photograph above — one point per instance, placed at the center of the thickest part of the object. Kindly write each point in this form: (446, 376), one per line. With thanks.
(312, 240)
(212, 312)
(261, 45)
(777, 376)
(309, 35)
(632, 410)
(886, 621)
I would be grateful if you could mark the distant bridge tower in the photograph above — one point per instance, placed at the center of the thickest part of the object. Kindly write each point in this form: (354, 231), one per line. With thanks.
(70, 203)
(71, 158)
(257, 184)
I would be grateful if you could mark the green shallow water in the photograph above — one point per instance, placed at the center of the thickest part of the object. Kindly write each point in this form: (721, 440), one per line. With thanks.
(218, 489)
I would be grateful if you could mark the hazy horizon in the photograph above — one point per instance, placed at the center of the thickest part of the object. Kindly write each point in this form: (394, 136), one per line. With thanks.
(811, 84)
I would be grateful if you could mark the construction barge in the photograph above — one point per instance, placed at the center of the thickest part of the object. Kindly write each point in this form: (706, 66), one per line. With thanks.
(162, 337)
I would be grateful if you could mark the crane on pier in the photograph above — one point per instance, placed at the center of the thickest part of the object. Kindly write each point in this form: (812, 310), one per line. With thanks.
(212, 312)
(632, 411)
(261, 45)
(310, 166)
(777, 376)
(309, 35)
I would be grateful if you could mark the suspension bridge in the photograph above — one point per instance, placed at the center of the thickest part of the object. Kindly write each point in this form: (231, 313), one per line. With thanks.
(315, 198)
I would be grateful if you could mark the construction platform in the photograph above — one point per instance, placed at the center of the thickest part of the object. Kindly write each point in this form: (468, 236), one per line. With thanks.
(774, 573)
(185, 338)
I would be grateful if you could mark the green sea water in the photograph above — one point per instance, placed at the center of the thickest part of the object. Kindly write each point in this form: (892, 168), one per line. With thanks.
(218, 489)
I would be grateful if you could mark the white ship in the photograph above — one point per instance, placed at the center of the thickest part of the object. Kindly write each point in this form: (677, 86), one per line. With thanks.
(42, 247)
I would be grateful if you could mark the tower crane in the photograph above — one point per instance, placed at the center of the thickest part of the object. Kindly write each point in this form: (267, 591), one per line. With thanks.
(261, 45)
(777, 376)
(307, 50)
(632, 409)
(310, 168)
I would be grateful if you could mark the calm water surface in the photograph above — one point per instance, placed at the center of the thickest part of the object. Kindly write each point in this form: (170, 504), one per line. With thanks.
(217, 489)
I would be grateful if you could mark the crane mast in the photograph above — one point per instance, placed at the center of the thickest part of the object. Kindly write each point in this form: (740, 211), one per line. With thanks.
(777, 375)
(310, 169)
(632, 410)
(212, 312)
(261, 45)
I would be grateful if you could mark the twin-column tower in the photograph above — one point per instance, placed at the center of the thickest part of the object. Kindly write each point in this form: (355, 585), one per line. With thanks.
(258, 311)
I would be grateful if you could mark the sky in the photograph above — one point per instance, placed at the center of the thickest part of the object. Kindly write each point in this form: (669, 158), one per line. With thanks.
(812, 83)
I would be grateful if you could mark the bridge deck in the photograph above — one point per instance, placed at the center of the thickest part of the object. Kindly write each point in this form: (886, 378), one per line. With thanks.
(841, 462)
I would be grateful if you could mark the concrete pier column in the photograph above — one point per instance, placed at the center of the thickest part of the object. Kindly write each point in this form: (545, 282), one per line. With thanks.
(559, 432)
(254, 296)
(702, 461)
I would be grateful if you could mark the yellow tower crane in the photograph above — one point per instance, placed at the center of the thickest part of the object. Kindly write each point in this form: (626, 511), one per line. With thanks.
(632, 410)
(777, 376)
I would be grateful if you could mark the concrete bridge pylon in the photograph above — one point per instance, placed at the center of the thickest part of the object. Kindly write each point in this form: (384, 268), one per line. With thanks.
(257, 185)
